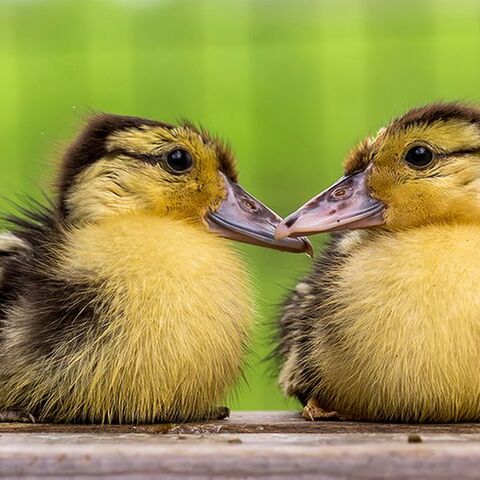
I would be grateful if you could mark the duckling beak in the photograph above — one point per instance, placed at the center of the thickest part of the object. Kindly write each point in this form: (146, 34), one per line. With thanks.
(346, 205)
(243, 218)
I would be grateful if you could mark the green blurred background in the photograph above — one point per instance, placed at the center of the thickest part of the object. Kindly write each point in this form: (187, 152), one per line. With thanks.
(292, 84)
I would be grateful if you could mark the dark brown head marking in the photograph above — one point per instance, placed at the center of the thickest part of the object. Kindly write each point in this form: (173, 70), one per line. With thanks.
(90, 146)
(437, 112)
(359, 157)
(362, 154)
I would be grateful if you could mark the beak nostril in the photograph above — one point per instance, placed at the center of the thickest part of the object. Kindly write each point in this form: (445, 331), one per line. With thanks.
(250, 205)
(339, 192)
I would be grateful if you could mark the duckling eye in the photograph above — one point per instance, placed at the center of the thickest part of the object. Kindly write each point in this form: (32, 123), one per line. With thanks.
(179, 161)
(419, 156)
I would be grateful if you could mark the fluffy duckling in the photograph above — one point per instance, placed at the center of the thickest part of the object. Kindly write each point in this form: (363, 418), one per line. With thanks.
(122, 301)
(387, 326)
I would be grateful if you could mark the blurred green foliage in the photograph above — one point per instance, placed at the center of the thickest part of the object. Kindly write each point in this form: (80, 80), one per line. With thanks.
(291, 84)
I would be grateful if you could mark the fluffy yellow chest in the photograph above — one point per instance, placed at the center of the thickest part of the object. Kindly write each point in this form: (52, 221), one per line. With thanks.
(177, 314)
(407, 344)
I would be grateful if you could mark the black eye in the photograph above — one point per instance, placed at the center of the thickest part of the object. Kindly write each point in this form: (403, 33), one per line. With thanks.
(419, 156)
(179, 161)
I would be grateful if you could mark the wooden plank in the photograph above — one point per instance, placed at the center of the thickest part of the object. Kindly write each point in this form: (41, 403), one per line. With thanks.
(250, 422)
(266, 445)
(265, 456)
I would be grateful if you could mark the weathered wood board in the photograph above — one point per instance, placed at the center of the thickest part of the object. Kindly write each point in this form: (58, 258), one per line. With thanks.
(266, 445)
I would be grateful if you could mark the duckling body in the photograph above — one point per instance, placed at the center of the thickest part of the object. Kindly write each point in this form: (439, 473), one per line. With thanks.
(154, 352)
(125, 306)
(387, 325)
(397, 335)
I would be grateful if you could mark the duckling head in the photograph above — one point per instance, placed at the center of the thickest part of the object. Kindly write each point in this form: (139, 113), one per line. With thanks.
(123, 165)
(423, 168)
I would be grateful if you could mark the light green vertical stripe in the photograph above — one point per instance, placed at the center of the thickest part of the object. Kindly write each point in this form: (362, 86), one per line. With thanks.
(109, 42)
(402, 57)
(457, 50)
(169, 79)
(10, 136)
(50, 77)
(343, 73)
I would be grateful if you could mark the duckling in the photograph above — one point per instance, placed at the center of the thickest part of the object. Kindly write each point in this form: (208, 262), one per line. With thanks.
(387, 325)
(122, 301)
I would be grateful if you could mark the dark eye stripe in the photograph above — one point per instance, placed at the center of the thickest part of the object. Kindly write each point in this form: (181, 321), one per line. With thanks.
(466, 151)
(145, 157)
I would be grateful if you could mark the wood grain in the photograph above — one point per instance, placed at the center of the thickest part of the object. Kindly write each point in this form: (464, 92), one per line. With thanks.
(266, 445)
(248, 422)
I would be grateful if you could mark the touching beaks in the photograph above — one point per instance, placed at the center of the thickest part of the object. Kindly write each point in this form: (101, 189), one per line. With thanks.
(243, 218)
(346, 205)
